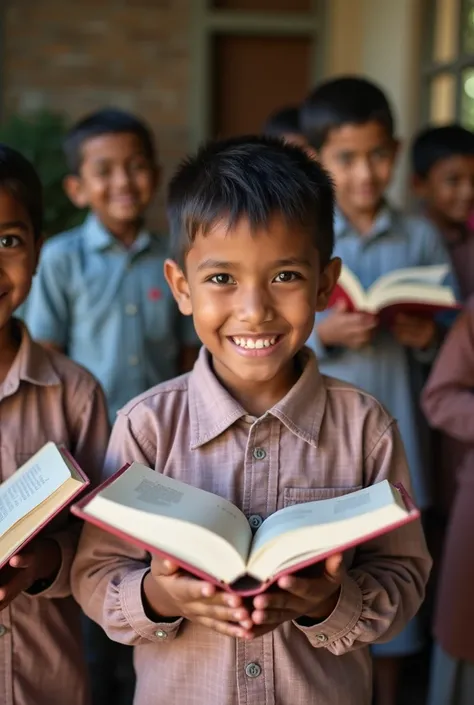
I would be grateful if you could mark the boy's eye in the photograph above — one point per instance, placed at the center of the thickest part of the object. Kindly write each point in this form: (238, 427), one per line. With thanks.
(9, 241)
(284, 277)
(222, 279)
(344, 158)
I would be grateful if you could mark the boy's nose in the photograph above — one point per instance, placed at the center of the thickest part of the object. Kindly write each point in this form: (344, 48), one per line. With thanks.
(255, 307)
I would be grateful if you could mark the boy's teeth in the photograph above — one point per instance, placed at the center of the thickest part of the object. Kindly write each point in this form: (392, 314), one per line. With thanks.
(252, 344)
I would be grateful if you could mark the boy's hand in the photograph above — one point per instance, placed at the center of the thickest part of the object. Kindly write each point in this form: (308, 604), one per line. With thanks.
(313, 598)
(40, 560)
(414, 332)
(351, 330)
(171, 594)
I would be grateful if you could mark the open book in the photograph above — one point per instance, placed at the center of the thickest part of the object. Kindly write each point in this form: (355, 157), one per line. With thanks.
(34, 495)
(419, 291)
(211, 538)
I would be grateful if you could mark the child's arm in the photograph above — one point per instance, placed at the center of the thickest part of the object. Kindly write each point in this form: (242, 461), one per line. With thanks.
(448, 398)
(384, 586)
(47, 314)
(43, 568)
(114, 583)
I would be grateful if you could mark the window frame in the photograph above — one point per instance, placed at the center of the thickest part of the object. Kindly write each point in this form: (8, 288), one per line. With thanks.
(431, 68)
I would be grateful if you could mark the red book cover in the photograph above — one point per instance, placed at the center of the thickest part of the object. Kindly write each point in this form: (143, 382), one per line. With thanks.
(246, 586)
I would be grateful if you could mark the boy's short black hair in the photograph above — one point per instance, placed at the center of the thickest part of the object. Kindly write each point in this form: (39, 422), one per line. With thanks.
(436, 143)
(282, 122)
(18, 177)
(108, 121)
(252, 177)
(349, 100)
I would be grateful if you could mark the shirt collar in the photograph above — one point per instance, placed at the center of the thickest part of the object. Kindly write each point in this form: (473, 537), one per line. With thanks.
(32, 364)
(213, 410)
(98, 238)
(384, 222)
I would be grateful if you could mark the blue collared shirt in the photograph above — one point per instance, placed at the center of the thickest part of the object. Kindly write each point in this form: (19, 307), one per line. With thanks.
(110, 309)
(386, 369)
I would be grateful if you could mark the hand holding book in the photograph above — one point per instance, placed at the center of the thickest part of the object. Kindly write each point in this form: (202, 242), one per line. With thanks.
(171, 594)
(345, 328)
(39, 561)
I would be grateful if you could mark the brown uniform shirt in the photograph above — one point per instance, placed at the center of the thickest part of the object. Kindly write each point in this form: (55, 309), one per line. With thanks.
(46, 397)
(324, 439)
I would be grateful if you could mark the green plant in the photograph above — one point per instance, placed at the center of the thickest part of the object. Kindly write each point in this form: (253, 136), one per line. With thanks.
(38, 136)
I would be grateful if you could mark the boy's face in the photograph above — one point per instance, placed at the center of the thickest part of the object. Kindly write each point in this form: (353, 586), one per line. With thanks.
(116, 179)
(448, 189)
(360, 159)
(253, 296)
(18, 255)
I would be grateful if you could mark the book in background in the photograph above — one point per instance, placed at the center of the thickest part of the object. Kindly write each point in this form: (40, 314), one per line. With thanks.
(36, 493)
(418, 291)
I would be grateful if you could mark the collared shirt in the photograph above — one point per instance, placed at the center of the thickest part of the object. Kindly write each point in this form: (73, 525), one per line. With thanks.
(324, 439)
(110, 309)
(46, 397)
(386, 369)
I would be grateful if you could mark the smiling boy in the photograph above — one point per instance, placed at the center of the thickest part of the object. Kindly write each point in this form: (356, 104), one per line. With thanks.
(255, 422)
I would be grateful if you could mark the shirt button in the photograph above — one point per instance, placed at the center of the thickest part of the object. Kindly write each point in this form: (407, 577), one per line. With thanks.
(253, 670)
(131, 310)
(322, 638)
(133, 360)
(3, 630)
(160, 634)
(259, 453)
(255, 521)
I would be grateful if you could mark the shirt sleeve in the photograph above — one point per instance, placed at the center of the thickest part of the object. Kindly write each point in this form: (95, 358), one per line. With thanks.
(108, 573)
(91, 437)
(47, 313)
(448, 399)
(384, 586)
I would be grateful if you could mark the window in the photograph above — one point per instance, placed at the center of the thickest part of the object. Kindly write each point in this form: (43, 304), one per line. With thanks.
(448, 72)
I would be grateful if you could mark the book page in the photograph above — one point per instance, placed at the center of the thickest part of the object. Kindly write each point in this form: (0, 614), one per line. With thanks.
(431, 275)
(196, 526)
(31, 485)
(351, 285)
(309, 528)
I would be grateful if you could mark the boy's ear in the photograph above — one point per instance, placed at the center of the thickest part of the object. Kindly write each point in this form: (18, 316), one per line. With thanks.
(178, 284)
(327, 282)
(74, 189)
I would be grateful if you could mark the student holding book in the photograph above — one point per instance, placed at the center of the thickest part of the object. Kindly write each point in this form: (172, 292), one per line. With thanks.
(43, 397)
(349, 124)
(254, 422)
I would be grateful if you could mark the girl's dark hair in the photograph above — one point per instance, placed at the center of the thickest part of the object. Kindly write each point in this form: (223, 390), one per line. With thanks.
(252, 177)
(19, 178)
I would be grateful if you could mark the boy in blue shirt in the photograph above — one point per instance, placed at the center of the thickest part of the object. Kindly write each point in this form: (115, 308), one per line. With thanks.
(349, 124)
(100, 295)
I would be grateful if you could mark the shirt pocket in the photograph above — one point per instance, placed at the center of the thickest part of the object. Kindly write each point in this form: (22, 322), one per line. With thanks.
(299, 495)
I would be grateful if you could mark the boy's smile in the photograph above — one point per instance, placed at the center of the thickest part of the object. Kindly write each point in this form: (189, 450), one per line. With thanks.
(253, 295)
(117, 180)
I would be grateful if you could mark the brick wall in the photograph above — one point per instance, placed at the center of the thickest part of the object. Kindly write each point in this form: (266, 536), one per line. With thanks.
(79, 55)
